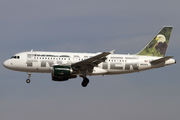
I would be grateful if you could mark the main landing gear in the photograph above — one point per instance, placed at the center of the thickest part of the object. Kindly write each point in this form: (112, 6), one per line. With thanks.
(85, 81)
(28, 80)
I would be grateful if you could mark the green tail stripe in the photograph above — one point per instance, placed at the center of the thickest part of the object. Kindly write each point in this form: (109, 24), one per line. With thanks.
(158, 45)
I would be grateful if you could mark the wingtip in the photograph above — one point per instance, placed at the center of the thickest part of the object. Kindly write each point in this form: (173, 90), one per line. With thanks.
(112, 52)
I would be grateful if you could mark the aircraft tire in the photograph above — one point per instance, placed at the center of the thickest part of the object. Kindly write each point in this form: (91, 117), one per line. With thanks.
(28, 81)
(85, 82)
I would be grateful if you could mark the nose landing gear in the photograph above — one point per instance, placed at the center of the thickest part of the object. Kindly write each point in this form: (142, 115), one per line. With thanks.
(28, 80)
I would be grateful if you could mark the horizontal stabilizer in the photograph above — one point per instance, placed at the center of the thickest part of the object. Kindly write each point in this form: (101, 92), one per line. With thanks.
(161, 60)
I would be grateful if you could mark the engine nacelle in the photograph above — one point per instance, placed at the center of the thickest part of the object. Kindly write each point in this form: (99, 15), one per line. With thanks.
(65, 78)
(61, 71)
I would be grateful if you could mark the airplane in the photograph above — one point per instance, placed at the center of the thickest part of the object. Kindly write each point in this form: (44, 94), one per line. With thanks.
(66, 65)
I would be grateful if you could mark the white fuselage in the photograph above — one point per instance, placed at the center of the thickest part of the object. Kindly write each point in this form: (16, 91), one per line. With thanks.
(43, 62)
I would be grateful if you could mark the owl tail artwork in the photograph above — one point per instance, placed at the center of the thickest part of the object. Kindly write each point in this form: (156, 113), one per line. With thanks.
(158, 45)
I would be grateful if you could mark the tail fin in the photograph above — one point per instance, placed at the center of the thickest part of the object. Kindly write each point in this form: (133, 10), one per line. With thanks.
(158, 45)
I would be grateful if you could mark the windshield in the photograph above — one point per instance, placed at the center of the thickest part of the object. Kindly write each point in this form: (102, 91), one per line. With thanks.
(15, 57)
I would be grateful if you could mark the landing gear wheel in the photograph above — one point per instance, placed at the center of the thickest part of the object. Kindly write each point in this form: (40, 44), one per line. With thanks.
(85, 82)
(28, 81)
(29, 75)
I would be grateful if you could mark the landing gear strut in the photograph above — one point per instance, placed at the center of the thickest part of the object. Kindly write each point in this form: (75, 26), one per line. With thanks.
(28, 80)
(85, 81)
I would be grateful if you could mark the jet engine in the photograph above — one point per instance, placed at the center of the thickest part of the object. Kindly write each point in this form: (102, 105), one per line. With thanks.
(62, 73)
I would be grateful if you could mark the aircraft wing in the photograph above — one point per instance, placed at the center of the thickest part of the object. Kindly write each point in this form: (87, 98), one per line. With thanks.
(90, 63)
(161, 60)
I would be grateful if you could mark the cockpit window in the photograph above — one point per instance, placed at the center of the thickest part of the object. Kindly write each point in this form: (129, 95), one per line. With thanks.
(15, 57)
(12, 57)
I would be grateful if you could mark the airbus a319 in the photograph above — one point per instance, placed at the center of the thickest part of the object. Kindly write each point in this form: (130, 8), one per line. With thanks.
(65, 65)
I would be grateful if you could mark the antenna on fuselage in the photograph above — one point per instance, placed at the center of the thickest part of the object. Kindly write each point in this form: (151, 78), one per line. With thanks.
(32, 50)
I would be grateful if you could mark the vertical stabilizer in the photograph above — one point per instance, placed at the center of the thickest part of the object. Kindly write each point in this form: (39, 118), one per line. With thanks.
(158, 45)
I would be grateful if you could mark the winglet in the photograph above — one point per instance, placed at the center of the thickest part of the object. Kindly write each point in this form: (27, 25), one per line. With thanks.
(112, 52)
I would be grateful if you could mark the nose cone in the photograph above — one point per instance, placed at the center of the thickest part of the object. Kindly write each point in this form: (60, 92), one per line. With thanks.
(7, 64)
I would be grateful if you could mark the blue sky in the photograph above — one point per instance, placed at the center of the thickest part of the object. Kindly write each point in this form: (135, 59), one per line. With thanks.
(88, 26)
